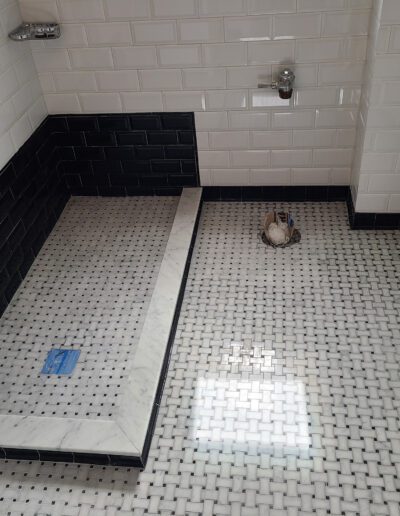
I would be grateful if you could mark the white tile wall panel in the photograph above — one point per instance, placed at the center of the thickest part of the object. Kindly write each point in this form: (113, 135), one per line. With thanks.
(209, 56)
(154, 32)
(310, 176)
(270, 177)
(127, 9)
(22, 108)
(201, 31)
(109, 33)
(154, 80)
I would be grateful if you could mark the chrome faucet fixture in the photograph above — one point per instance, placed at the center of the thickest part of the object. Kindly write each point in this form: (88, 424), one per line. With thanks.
(284, 84)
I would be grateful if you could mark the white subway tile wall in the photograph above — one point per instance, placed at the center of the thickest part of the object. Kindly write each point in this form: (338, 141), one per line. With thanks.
(376, 170)
(22, 107)
(208, 56)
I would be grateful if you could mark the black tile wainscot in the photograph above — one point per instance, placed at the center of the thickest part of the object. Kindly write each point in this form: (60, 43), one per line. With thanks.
(128, 154)
(33, 196)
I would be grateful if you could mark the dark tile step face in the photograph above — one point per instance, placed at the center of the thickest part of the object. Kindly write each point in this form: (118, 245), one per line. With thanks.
(116, 154)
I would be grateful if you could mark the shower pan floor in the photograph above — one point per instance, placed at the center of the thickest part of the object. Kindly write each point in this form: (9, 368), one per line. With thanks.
(90, 290)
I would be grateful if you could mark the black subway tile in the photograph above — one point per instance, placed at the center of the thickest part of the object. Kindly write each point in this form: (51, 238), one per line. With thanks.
(113, 123)
(120, 153)
(90, 153)
(149, 152)
(177, 120)
(136, 167)
(162, 137)
(100, 138)
(165, 166)
(179, 152)
(132, 138)
(140, 121)
(82, 123)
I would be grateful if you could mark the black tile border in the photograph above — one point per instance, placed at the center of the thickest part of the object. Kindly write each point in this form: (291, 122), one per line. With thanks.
(276, 193)
(375, 221)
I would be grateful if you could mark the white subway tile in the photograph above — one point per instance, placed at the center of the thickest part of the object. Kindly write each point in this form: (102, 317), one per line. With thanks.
(184, 101)
(225, 54)
(336, 117)
(390, 12)
(267, 98)
(7, 148)
(62, 103)
(230, 176)
(387, 141)
(291, 158)
(271, 139)
(310, 176)
(201, 31)
(372, 203)
(141, 101)
(39, 10)
(327, 96)
(248, 76)
(109, 33)
(320, 5)
(117, 80)
(74, 81)
(251, 28)
(384, 183)
(291, 26)
(293, 119)
(227, 99)
(127, 9)
(387, 66)
(37, 113)
(211, 120)
(47, 82)
(180, 55)
(333, 157)
(340, 176)
(135, 57)
(346, 137)
(7, 116)
(346, 23)
(208, 78)
(270, 177)
(91, 58)
(394, 203)
(51, 60)
(202, 139)
(384, 161)
(268, 52)
(174, 8)
(78, 11)
(248, 120)
(154, 32)
(100, 102)
(222, 7)
(214, 159)
(307, 138)
(350, 96)
(271, 6)
(205, 177)
(229, 140)
(340, 73)
(9, 84)
(250, 158)
(161, 80)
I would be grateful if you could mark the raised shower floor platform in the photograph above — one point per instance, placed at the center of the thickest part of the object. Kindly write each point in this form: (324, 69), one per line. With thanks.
(107, 282)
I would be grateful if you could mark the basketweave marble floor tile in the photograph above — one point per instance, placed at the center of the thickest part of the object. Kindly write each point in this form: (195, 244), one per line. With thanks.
(88, 289)
(283, 390)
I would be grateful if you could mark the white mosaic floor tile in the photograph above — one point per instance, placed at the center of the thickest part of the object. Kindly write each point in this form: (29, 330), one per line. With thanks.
(88, 289)
(283, 392)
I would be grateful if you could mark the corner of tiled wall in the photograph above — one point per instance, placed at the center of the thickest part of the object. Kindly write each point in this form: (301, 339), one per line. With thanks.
(22, 107)
(208, 56)
(376, 173)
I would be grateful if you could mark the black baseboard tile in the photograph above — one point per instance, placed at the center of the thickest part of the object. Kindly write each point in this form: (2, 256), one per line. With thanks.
(358, 220)
(276, 193)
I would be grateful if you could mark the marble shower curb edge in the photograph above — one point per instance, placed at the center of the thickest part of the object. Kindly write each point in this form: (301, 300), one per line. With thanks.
(124, 441)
